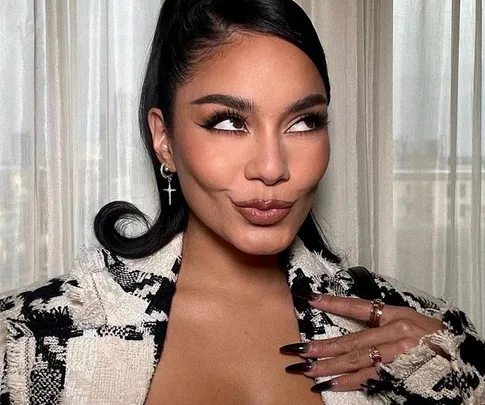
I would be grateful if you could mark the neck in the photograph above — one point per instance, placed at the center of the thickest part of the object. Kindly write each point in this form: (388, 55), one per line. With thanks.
(209, 261)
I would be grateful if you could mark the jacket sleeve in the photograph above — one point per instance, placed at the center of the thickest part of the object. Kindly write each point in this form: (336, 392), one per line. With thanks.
(54, 303)
(8, 308)
(3, 371)
(420, 375)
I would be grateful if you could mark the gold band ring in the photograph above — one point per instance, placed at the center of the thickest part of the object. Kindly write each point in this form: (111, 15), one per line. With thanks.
(375, 313)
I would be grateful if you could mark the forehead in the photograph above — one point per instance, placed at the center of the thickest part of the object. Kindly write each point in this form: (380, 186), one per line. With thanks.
(263, 68)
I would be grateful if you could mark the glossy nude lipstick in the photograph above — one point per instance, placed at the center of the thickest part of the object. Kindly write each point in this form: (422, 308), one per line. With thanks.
(264, 213)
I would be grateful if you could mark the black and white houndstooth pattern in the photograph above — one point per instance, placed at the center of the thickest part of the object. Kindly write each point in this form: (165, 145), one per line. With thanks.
(95, 335)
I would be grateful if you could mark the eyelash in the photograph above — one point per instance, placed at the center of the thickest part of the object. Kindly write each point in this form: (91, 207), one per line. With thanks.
(218, 116)
(320, 119)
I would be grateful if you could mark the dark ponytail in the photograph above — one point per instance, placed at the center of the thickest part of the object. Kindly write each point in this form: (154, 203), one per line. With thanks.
(186, 32)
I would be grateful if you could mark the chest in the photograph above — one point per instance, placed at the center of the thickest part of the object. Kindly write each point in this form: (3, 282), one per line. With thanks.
(225, 354)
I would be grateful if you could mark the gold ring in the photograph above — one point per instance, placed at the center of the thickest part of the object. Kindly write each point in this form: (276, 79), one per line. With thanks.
(375, 356)
(375, 313)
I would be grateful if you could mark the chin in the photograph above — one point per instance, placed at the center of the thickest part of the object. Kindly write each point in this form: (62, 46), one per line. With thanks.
(263, 241)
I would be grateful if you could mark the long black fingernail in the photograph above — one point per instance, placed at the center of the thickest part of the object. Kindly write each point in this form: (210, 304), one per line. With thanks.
(299, 368)
(295, 348)
(309, 296)
(324, 386)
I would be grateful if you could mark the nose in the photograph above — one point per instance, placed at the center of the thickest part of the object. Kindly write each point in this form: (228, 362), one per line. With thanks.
(268, 161)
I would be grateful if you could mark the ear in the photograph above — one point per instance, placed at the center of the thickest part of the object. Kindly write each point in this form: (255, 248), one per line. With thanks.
(161, 140)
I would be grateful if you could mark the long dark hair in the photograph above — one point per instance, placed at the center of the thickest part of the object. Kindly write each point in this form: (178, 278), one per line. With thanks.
(186, 32)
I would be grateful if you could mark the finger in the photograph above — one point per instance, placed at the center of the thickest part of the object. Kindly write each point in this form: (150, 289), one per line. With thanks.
(358, 359)
(347, 382)
(393, 332)
(360, 309)
(355, 308)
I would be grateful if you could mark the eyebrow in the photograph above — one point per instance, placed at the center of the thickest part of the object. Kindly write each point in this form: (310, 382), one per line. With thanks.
(237, 103)
(242, 104)
(307, 102)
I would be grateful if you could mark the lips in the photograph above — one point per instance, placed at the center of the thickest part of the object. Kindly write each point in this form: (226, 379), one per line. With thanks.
(264, 205)
(264, 213)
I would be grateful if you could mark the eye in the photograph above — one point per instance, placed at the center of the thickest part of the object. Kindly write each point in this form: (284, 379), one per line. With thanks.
(310, 122)
(225, 121)
(230, 124)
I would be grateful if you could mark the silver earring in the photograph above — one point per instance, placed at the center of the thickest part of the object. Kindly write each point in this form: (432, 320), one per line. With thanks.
(167, 174)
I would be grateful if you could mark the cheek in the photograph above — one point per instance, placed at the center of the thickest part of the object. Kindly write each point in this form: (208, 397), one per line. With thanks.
(308, 162)
(210, 164)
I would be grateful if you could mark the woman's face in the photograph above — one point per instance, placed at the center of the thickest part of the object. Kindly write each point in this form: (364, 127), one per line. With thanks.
(249, 130)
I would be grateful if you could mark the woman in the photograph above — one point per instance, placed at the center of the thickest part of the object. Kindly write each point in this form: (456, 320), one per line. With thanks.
(234, 115)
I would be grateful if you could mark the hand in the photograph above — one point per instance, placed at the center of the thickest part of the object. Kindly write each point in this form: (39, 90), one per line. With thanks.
(400, 329)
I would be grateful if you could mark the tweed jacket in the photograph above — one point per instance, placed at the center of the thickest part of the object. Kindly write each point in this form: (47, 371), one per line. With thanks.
(94, 336)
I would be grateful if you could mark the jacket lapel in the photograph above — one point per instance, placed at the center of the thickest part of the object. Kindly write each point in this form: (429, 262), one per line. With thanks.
(309, 271)
(136, 297)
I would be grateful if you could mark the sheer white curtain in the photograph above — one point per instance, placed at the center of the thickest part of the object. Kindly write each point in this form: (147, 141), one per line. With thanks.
(404, 191)
(70, 77)
(439, 170)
